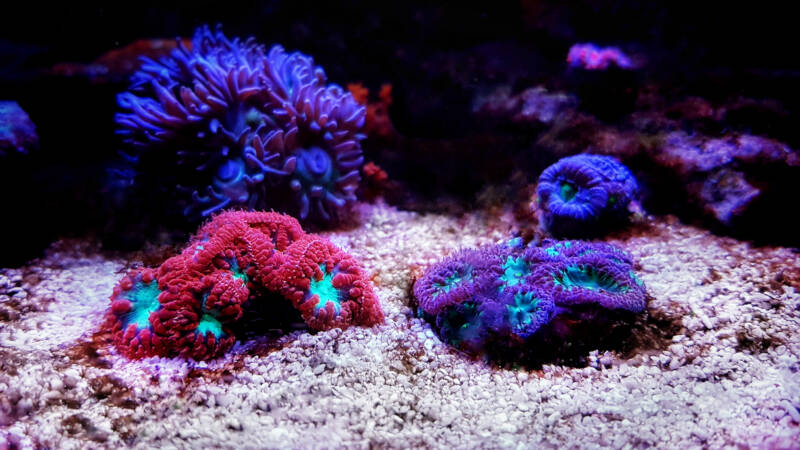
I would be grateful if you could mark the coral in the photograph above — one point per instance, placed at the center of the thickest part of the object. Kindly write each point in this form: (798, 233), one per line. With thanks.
(463, 326)
(509, 295)
(592, 57)
(189, 305)
(17, 131)
(134, 300)
(453, 280)
(527, 309)
(594, 279)
(326, 285)
(585, 194)
(239, 126)
(376, 182)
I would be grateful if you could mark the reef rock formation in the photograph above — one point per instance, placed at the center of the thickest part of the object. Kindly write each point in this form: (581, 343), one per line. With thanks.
(188, 305)
(734, 180)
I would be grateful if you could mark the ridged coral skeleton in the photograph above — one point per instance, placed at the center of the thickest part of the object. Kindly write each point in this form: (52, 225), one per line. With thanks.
(245, 127)
(186, 307)
(509, 294)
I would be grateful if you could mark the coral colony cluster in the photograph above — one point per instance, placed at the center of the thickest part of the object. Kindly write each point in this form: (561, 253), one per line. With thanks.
(186, 306)
(511, 295)
(240, 126)
(585, 194)
(591, 57)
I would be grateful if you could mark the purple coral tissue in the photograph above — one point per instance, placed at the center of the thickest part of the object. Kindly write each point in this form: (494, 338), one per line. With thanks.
(507, 295)
(243, 126)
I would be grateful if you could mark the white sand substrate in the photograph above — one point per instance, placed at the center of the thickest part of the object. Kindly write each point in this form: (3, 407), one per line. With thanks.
(727, 373)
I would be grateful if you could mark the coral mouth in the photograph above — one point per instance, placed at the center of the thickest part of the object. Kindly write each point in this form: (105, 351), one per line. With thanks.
(144, 300)
(325, 291)
(453, 280)
(568, 191)
(514, 270)
(588, 277)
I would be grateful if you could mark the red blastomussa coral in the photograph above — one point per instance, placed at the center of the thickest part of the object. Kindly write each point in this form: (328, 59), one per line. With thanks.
(186, 307)
(326, 285)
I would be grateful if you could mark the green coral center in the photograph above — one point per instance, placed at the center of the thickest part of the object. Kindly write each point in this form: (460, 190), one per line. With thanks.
(209, 323)
(588, 278)
(521, 312)
(325, 290)
(452, 280)
(144, 300)
(463, 324)
(238, 272)
(514, 270)
(555, 250)
(568, 191)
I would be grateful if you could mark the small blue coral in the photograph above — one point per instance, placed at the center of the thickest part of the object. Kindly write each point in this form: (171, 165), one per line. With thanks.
(235, 125)
(585, 195)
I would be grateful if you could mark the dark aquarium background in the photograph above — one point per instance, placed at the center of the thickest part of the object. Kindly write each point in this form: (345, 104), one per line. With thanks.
(470, 102)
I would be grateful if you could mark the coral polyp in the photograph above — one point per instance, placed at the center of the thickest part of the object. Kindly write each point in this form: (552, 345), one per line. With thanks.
(463, 326)
(597, 280)
(133, 301)
(326, 285)
(235, 125)
(526, 295)
(527, 310)
(583, 195)
(453, 280)
(189, 305)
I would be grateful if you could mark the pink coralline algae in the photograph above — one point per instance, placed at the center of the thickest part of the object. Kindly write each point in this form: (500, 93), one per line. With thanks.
(592, 57)
(236, 125)
(512, 296)
(17, 131)
(188, 305)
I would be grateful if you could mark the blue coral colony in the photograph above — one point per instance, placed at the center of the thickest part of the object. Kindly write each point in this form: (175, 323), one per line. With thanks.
(240, 124)
(519, 295)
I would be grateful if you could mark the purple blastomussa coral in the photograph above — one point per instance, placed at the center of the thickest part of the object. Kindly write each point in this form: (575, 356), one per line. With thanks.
(509, 296)
(452, 281)
(236, 125)
(591, 57)
(585, 195)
